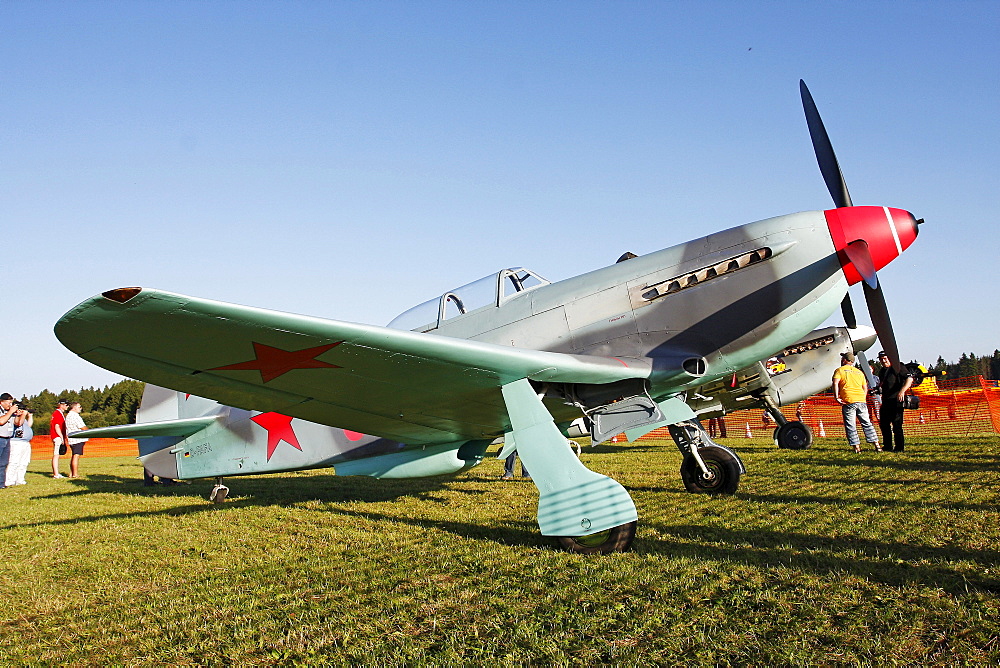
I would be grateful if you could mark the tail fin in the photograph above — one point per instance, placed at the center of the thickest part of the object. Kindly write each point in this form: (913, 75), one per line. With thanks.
(160, 404)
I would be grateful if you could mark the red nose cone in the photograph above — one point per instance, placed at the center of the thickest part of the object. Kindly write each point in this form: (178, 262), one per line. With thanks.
(888, 232)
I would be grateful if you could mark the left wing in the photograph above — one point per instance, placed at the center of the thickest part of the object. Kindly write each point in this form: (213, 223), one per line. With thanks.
(413, 388)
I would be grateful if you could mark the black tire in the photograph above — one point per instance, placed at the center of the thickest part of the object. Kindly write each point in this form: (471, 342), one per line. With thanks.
(724, 467)
(793, 436)
(615, 539)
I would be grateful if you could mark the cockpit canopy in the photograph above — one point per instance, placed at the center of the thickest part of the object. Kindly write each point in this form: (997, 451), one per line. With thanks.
(489, 291)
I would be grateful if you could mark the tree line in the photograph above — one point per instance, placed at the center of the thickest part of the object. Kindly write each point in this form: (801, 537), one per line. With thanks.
(971, 365)
(114, 404)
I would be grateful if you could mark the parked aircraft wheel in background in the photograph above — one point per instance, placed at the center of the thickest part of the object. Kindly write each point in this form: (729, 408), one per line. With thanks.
(723, 467)
(793, 436)
(616, 539)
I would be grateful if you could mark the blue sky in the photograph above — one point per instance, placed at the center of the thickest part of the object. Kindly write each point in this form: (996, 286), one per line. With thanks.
(349, 160)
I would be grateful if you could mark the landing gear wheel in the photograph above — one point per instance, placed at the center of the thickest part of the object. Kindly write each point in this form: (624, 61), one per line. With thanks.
(793, 436)
(615, 539)
(723, 468)
(219, 493)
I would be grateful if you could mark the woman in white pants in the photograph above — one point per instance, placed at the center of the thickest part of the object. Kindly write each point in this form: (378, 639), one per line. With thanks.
(20, 449)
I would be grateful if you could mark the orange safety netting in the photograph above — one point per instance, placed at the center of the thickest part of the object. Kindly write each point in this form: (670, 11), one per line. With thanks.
(959, 407)
(41, 447)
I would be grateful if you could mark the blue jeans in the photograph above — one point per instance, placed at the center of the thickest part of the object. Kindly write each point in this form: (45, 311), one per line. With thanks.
(509, 465)
(861, 410)
(4, 458)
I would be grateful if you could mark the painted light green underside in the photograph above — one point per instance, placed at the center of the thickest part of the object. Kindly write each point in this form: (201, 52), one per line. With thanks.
(674, 410)
(789, 327)
(573, 500)
(432, 460)
(415, 388)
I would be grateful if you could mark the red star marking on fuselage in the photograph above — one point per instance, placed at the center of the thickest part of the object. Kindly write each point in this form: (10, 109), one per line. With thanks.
(279, 428)
(272, 362)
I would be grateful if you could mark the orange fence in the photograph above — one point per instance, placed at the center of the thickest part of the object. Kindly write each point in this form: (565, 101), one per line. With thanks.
(960, 407)
(41, 447)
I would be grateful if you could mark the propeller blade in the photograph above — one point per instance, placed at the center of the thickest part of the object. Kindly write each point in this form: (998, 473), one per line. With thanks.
(880, 320)
(825, 156)
(848, 310)
(867, 369)
(857, 252)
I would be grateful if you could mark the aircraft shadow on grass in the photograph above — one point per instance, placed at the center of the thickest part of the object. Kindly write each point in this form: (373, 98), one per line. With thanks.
(916, 505)
(263, 491)
(911, 460)
(797, 550)
(753, 548)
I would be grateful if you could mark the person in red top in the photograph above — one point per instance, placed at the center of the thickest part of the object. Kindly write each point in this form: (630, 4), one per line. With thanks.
(57, 431)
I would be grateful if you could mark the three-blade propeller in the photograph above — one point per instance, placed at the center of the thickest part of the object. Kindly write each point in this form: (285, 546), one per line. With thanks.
(857, 250)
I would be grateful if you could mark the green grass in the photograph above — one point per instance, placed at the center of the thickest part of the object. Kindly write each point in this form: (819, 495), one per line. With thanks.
(822, 557)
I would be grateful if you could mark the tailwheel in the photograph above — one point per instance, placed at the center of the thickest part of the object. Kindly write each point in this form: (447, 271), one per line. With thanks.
(219, 492)
(615, 539)
(793, 436)
(722, 477)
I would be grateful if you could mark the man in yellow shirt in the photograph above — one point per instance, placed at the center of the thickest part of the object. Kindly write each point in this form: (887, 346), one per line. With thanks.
(850, 387)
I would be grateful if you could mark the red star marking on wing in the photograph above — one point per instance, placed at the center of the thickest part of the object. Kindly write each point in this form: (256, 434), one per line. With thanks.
(279, 428)
(272, 362)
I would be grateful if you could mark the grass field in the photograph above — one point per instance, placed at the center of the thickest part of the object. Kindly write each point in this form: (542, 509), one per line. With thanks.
(822, 557)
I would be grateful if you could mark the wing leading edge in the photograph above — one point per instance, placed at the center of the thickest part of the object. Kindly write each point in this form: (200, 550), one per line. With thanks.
(414, 388)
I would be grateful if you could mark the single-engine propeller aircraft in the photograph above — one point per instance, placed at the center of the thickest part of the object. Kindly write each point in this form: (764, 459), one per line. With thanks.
(641, 344)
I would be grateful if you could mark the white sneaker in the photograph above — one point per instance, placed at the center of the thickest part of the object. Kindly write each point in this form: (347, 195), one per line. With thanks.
(59, 475)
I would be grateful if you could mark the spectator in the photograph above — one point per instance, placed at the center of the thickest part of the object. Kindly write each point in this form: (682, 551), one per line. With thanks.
(75, 423)
(508, 470)
(717, 426)
(8, 414)
(150, 480)
(850, 387)
(875, 394)
(894, 385)
(57, 431)
(20, 447)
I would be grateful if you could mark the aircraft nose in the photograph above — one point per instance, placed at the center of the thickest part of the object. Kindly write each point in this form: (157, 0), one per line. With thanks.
(862, 338)
(886, 231)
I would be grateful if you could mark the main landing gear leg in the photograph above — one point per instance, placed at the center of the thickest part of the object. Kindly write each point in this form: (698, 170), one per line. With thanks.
(219, 492)
(587, 511)
(707, 466)
(789, 434)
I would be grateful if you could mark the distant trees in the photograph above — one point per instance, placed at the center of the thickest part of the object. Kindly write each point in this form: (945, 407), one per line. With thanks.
(970, 365)
(115, 404)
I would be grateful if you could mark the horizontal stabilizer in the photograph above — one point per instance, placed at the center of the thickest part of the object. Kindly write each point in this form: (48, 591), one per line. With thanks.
(184, 427)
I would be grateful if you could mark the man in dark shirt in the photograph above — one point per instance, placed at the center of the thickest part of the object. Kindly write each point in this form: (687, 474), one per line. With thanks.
(894, 385)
